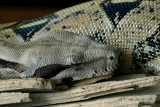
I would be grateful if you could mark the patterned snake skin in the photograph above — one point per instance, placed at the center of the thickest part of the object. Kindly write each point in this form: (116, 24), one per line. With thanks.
(132, 26)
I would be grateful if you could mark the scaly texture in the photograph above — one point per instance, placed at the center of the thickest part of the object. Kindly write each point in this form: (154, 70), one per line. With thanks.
(60, 55)
(131, 26)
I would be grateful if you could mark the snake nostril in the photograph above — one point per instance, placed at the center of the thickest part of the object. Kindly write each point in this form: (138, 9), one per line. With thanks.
(111, 57)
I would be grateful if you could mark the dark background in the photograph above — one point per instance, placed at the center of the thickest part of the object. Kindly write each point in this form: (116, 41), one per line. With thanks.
(18, 10)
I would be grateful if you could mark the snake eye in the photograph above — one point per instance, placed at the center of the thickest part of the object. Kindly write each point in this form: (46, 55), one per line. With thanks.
(111, 57)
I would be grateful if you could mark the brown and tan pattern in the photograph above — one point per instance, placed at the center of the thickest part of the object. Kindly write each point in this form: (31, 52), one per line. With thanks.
(129, 26)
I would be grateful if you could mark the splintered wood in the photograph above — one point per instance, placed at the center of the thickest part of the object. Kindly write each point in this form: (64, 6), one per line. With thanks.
(14, 97)
(27, 85)
(125, 91)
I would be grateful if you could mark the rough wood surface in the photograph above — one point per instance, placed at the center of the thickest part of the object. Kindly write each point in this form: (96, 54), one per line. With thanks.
(118, 100)
(26, 85)
(14, 97)
(91, 80)
(102, 103)
(85, 92)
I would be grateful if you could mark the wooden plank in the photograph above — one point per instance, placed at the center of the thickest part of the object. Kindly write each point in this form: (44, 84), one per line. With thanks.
(115, 101)
(101, 103)
(26, 85)
(91, 80)
(92, 90)
(14, 97)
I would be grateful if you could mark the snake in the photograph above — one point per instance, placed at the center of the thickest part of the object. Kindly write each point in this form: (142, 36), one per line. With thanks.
(130, 26)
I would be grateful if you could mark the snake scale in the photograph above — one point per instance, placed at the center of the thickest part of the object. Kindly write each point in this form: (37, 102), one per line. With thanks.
(130, 26)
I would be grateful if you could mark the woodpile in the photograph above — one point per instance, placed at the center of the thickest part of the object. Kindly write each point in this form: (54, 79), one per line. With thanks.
(136, 90)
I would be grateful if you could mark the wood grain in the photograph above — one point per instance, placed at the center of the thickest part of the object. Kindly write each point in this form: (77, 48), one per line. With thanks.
(26, 85)
(14, 97)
